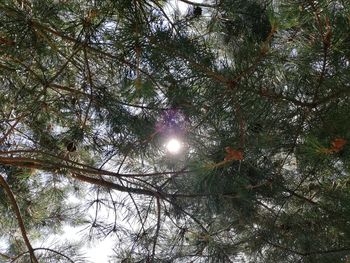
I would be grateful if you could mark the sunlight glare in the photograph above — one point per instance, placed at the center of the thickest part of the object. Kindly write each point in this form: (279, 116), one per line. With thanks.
(173, 146)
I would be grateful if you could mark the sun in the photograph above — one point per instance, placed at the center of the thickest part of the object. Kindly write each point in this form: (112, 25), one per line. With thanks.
(173, 146)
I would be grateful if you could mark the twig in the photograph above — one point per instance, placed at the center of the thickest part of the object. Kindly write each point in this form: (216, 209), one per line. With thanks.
(157, 229)
(13, 126)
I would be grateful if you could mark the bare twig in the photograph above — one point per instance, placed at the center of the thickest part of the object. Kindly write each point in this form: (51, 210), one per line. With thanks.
(157, 229)
(13, 126)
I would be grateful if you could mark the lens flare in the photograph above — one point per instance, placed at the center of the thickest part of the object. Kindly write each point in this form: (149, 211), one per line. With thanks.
(173, 146)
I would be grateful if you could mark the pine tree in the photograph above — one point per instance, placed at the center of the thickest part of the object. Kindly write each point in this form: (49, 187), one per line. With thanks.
(255, 92)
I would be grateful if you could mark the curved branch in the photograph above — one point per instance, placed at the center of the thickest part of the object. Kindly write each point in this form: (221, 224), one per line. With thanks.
(15, 207)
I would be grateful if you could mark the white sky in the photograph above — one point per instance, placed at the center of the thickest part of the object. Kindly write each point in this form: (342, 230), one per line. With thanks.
(96, 251)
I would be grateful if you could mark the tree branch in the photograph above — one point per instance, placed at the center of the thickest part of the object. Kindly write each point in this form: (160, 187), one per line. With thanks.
(15, 207)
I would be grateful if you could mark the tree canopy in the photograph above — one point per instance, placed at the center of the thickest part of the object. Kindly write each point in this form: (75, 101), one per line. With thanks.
(254, 95)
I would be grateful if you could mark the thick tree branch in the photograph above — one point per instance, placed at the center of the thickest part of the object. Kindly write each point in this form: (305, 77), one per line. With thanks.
(49, 164)
(111, 185)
